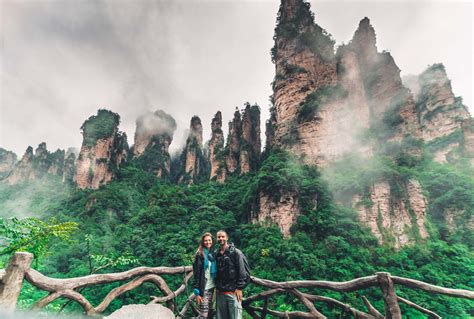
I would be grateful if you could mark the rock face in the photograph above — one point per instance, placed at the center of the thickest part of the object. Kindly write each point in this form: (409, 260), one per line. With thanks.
(192, 156)
(242, 151)
(284, 212)
(23, 170)
(69, 169)
(324, 103)
(468, 138)
(37, 165)
(153, 136)
(233, 143)
(216, 146)
(7, 162)
(304, 62)
(250, 142)
(455, 219)
(103, 150)
(440, 113)
(389, 216)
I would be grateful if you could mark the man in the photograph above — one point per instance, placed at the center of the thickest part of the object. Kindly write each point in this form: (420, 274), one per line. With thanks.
(232, 277)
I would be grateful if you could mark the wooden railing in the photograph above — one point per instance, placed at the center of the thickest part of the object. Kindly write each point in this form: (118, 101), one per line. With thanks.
(12, 277)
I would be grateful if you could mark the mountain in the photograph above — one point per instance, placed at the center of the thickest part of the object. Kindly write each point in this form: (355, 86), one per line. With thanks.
(153, 136)
(8, 160)
(329, 105)
(103, 150)
(332, 109)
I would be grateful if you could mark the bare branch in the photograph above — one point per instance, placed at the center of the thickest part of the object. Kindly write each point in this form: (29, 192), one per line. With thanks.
(430, 313)
(114, 293)
(347, 308)
(173, 294)
(344, 286)
(54, 284)
(262, 295)
(308, 304)
(74, 295)
(66, 293)
(43, 302)
(371, 309)
(183, 311)
(412, 283)
(279, 314)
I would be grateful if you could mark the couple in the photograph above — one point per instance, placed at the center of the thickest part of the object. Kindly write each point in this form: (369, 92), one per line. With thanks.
(224, 270)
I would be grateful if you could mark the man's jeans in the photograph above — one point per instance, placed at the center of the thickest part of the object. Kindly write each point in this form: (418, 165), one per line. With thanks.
(228, 307)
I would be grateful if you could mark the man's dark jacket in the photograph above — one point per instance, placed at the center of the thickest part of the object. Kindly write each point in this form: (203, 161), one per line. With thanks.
(199, 281)
(231, 274)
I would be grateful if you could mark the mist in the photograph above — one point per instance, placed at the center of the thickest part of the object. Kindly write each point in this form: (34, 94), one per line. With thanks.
(63, 60)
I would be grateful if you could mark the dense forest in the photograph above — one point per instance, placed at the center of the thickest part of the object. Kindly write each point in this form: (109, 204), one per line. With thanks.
(141, 220)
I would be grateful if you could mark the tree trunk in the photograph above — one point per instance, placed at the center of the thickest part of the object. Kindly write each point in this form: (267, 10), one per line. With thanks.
(12, 281)
(392, 309)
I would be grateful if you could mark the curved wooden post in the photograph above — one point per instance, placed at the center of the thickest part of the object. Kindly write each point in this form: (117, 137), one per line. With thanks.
(392, 309)
(12, 281)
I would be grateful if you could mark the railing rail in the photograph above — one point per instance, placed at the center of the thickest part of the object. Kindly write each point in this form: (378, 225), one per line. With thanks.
(19, 269)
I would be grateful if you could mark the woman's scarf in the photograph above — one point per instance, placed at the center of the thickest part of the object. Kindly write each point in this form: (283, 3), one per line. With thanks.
(209, 258)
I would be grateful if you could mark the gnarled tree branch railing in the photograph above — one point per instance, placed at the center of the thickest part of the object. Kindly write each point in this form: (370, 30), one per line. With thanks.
(19, 268)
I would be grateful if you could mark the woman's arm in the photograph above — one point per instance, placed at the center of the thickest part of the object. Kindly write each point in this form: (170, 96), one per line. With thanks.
(195, 272)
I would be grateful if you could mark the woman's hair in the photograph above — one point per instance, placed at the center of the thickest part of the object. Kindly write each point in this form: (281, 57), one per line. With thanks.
(200, 250)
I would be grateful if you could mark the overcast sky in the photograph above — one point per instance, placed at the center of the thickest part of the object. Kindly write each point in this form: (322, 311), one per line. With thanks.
(62, 60)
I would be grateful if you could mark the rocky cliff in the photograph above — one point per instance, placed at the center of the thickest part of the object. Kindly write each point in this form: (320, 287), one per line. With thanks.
(8, 160)
(216, 147)
(242, 150)
(233, 143)
(153, 136)
(394, 219)
(192, 158)
(326, 104)
(69, 168)
(468, 139)
(23, 170)
(283, 212)
(250, 144)
(37, 165)
(103, 150)
(439, 112)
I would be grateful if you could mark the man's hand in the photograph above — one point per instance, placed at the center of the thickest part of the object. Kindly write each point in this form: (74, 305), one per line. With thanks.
(198, 299)
(238, 295)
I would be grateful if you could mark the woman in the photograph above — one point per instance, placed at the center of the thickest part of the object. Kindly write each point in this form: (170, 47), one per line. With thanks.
(205, 270)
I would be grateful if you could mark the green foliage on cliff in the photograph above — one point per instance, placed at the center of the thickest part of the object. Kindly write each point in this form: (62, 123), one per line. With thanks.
(444, 141)
(326, 94)
(451, 201)
(289, 24)
(100, 126)
(154, 159)
(297, 24)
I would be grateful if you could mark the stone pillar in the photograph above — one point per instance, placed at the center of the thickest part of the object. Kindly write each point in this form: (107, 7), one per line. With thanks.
(12, 281)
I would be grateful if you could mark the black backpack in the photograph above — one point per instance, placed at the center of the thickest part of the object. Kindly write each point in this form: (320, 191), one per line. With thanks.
(246, 267)
(247, 270)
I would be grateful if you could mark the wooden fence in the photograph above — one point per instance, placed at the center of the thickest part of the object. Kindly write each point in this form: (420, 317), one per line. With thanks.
(11, 280)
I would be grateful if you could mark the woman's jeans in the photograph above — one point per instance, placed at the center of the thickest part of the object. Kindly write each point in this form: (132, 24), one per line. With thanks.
(228, 307)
